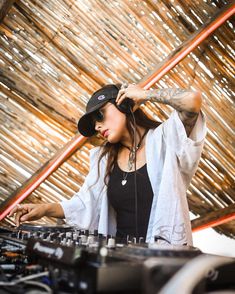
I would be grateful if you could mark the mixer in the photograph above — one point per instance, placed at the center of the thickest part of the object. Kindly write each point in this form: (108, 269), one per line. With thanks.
(64, 259)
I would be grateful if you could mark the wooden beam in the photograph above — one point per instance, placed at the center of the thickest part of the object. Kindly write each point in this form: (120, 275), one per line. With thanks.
(32, 183)
(214, 218)
(5, 6)
(188, 46)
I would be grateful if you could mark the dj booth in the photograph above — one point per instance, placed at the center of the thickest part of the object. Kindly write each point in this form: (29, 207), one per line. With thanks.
(63, 259)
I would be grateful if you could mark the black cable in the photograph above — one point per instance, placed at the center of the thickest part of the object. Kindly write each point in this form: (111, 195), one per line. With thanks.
(135, 179)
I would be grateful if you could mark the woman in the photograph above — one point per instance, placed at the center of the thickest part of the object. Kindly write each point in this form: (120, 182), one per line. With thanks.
(138, 180)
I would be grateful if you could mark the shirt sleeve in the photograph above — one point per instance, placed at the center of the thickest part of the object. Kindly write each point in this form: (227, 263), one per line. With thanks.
(187, 149)
(82, 210)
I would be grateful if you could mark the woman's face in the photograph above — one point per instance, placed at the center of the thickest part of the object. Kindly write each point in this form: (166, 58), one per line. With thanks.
(113, 126)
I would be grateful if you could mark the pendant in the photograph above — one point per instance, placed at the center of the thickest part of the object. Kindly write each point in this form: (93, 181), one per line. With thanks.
(124, 182)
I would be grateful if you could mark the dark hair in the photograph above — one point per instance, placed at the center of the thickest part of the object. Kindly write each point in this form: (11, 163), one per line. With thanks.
(111, 149)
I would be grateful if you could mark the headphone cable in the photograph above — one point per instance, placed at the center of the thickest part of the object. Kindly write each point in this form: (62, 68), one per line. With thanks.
(135, 178)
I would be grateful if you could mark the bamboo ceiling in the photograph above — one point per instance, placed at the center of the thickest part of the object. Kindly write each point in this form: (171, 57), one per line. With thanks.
(54, 54)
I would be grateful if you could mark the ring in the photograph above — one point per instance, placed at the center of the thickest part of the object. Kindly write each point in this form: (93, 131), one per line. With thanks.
(124, 85)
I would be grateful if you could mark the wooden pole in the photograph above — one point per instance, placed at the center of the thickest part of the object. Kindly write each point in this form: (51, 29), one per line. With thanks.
(47, 169)
(214, 218)
(188, 46)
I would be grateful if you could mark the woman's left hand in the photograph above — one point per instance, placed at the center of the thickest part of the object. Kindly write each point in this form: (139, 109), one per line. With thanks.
(134, 92)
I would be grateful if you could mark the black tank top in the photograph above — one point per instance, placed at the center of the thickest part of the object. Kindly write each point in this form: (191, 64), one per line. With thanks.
(122, 199)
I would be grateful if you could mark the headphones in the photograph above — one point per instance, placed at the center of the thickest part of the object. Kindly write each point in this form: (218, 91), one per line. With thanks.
(127, 105)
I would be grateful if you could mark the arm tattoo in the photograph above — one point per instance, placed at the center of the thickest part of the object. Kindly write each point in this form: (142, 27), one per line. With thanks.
(178, 99)
(189, 120)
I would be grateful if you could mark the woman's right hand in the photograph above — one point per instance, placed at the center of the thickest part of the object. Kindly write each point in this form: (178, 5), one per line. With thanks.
(28, 212)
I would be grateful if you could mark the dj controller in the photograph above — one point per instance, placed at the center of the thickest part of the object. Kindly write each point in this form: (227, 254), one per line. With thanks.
(63, 259)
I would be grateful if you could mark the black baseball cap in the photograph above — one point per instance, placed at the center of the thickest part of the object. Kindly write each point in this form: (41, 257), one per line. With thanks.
(98, 99)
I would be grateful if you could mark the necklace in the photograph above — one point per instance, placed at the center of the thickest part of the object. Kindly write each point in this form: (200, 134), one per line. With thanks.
(131, 159)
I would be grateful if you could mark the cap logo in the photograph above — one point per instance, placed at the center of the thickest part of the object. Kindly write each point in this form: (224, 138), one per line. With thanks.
(101, 97)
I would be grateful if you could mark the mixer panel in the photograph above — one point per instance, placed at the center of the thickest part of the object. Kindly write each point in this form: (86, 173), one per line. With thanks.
(64, 259)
